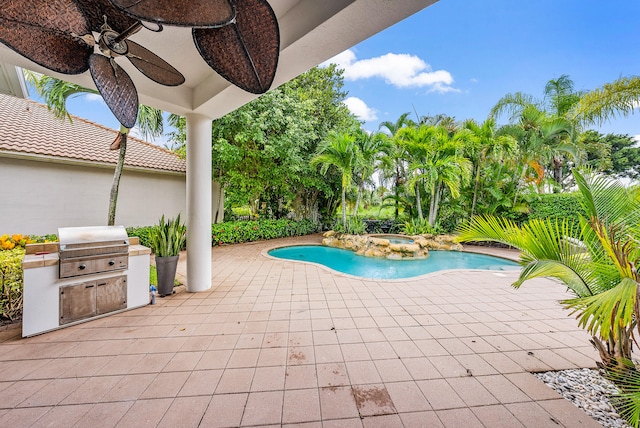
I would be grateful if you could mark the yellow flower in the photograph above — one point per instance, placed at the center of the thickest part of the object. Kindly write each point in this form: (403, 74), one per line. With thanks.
(8, 245)
(4, 238)
(16, 238)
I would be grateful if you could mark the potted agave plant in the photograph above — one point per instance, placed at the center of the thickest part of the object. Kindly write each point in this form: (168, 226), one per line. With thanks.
(167, 240)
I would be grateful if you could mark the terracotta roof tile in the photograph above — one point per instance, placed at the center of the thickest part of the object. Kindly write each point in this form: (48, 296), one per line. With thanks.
(29, 127)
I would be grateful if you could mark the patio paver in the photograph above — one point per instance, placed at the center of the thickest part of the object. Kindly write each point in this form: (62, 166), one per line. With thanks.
(275, 342)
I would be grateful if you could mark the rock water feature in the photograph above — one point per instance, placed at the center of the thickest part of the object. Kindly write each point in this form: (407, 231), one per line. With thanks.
(393, 247)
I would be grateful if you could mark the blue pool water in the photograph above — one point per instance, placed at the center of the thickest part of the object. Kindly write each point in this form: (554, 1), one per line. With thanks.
(346, 261)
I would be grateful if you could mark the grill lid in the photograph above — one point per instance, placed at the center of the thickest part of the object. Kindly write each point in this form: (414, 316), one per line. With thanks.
(92, 240)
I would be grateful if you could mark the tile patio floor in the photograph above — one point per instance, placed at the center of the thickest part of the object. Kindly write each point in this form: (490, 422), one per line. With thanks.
(282, 343)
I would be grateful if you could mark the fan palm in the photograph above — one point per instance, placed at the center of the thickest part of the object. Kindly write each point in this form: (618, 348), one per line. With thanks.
(596, 257)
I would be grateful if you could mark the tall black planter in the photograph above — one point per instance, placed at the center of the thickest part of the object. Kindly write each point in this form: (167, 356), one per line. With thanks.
(166, 267)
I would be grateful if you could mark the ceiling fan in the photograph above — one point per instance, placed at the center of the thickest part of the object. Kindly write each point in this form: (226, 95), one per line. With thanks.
(239, 39)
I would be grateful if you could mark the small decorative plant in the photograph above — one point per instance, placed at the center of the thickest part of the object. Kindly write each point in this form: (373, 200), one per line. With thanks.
(167, 238)
(419, 227)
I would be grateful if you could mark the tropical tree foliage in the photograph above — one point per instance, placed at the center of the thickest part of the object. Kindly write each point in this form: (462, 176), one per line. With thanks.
(340, 152)
(261, 151)
(549, 129)
(612, 154)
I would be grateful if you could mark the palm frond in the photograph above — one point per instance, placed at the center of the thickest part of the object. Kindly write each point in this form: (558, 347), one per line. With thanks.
(603, 313)
(626, 377)
(618, 98)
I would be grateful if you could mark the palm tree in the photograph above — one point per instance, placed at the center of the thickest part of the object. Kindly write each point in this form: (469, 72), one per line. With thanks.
(438, 162)
(596, 258)
(56, 92)
(394, 163)
(339, 151)
(620, 97)
(416, 142)
(559, 99)
(535, 132)
(485, 144)
(371, 149)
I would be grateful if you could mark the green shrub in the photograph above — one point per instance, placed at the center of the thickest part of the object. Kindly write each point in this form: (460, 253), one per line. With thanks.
(11, 283)
(232, 232)
(144, 233)
(355, 226)
(552, 205)
(557, 206)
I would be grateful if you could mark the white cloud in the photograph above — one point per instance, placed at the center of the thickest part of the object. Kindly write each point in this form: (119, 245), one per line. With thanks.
(474, 80)
(361, 109)
(94, 97)
(399, 70)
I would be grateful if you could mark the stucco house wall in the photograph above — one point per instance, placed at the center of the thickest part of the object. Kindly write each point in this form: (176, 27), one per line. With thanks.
(41, 196)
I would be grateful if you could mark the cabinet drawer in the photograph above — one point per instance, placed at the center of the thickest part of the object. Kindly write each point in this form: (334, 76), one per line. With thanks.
(77, 302)
(111, 294)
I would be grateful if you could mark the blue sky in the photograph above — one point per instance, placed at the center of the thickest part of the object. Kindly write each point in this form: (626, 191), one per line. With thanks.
(458, 57)
(475, 51)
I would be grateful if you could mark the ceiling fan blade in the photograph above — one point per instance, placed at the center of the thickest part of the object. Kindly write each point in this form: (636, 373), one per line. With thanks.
(193, 13)
(246, 51)
(116, 87)
(96, 10)
(43, 31)
(152, 66)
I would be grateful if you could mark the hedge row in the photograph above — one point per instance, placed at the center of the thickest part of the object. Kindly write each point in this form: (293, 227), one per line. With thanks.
(233, 232)
(553, 206)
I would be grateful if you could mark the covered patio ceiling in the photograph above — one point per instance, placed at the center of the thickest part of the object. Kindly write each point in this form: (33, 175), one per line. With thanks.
(311, 32)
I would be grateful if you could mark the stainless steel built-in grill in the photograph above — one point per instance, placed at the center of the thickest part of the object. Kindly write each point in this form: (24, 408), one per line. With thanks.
(92, 272)
(86, 252)
(89, 250)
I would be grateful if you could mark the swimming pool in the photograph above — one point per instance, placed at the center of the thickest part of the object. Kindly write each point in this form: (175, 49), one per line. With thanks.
(348, 262)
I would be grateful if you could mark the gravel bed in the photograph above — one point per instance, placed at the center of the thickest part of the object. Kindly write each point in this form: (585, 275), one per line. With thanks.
(588, 390)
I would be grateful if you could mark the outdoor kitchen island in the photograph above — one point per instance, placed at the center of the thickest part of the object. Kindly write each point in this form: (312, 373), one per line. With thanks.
(92, 272)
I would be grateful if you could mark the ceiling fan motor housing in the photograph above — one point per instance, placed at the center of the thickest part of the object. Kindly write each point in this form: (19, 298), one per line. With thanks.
(109, 46)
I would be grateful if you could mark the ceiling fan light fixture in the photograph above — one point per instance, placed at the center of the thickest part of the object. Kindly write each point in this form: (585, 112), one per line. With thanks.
(152, 26)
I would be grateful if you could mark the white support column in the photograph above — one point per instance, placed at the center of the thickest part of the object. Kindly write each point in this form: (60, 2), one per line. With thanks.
(198, 203)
